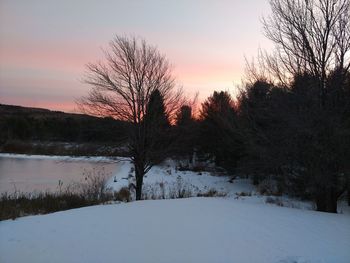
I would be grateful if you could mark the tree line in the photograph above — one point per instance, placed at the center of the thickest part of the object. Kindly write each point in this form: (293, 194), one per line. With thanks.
(277, 133)
(291, 121)
(29, 124)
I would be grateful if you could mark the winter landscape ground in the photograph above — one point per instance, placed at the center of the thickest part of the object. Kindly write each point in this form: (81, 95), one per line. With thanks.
(235, 228)
(235, 114)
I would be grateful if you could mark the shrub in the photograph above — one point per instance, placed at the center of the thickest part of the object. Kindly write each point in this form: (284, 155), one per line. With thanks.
(211, 193)
(244, 194)
(92, 192)
(95, 186)
(16, 205)
(268, 187)
(272, 200)
(123, 195)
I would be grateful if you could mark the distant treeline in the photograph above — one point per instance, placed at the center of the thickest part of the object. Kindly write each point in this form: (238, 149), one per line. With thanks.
(33, 124)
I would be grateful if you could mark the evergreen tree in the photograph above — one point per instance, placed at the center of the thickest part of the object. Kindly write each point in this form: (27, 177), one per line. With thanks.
(219, 136)
(186, 131)
(156, 127)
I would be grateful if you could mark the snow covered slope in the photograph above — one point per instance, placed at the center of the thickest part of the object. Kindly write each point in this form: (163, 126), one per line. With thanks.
(183, 230)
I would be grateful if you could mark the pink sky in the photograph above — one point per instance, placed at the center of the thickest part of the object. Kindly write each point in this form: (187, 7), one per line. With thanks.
(45, 45)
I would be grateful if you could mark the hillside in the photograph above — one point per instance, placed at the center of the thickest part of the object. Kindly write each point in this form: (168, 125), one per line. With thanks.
(42, 131)
(12, 110)
(23, 123)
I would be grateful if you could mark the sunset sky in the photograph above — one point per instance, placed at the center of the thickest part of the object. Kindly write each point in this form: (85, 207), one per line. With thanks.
(45, 45)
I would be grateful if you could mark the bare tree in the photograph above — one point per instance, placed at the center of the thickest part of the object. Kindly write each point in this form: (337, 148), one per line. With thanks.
(312, 58)
(311, 36)
(310, 64)
(122, 86)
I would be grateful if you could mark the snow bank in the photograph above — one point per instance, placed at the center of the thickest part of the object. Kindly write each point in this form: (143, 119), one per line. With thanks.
(183, 230)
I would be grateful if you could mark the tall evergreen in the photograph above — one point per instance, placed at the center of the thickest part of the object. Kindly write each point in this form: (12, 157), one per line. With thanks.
(156, 127)
(219, 136)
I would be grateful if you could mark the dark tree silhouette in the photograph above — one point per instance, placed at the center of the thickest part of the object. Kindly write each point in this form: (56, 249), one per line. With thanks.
(123, 85)
(288, 136)
(310, 66)
(311, 37)
(186, 131)
(259, 119)
(157, 128)
(184, 116)
(219, 134)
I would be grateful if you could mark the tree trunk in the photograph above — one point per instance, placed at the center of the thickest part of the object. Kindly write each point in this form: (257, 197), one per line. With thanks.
(348, 190)
(326, 201)
(139, 173)
(320, 202)
(139, 182)
(256, 179)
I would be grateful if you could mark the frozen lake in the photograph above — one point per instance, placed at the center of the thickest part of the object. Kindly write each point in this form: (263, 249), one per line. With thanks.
(43, 173)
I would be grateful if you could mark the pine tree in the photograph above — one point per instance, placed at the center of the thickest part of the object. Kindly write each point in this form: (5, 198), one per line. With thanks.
(219, 131)
(156, 126)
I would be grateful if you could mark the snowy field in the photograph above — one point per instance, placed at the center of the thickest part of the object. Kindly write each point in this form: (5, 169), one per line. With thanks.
(233, 228)
(181, 230)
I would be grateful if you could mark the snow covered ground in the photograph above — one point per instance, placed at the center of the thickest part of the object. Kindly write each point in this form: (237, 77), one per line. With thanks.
(168, 178)
(235, 228)
(165, 179)
(181, 230)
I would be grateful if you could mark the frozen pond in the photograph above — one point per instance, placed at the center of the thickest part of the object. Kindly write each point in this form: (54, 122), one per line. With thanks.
(43, 173)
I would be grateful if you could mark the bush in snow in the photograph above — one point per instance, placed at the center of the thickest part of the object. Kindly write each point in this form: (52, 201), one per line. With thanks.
(123, 195)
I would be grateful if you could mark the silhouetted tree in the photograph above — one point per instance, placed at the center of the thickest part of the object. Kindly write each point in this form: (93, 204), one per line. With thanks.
(184, 116)
(157, 128)
(219, 135)
(260, 115)
(186, 130)
(289, 137)
(311, 37)
(155, 111)
(310, 110)
(322, 137)
(122, 87)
